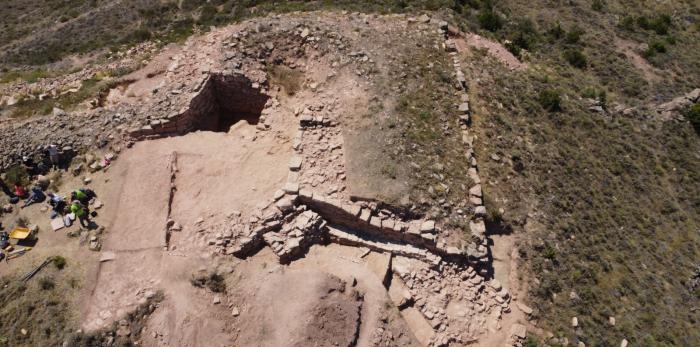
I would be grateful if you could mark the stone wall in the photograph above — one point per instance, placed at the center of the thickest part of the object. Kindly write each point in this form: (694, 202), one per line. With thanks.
(418, 232)
(221, 100)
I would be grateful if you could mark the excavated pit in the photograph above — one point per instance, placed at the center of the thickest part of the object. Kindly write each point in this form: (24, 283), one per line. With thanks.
(234, 98)
(222, 101)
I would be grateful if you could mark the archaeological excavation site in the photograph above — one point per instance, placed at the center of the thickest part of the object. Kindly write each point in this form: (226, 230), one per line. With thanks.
(260, 175)
(320, 178)
(256, 195)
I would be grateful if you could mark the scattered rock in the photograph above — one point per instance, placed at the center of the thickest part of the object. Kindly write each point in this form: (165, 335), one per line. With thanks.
(295, 163)
(427, 226)
(291, 188)
(57, 112)
(518, 331)
(107, 256)
(524, 308)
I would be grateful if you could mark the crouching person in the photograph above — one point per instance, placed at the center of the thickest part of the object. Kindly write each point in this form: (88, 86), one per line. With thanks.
(80, 212)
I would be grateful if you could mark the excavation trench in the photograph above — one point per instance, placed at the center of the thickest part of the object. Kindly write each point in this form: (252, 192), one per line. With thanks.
(222, 101)
(232, 98)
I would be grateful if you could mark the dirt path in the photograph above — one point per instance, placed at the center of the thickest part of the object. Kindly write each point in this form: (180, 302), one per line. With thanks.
(496, 49)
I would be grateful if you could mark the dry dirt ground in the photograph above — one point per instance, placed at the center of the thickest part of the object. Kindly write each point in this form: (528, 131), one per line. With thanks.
(333, 295)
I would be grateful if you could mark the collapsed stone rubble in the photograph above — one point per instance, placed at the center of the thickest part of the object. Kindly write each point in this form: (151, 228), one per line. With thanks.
(453, 299)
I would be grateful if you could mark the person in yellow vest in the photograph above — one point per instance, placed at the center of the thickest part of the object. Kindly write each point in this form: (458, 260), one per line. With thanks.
(80, 212)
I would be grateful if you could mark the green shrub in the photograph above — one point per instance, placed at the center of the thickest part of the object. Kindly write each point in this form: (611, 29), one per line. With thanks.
(213, 281)
(139, 35)
(47, 283)
(576, 58)
(658, 46)
(693, 116)
(513, 48)
(549, 252)
(525, 37)
(531, 341)
(550, 99)
(189, 5)
(17, 174)
(598, 5)
(490, 21)
(654, 47)
(627, 23)
(556, 32)
(59, 262)
(592, 93)
(659, 25)
(207, 14)
(574, 35)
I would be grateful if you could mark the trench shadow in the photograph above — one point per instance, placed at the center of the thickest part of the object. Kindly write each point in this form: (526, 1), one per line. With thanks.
(494, 226)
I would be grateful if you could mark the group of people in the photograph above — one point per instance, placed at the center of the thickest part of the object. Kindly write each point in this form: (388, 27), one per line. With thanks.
(79, 200)
(49, 158)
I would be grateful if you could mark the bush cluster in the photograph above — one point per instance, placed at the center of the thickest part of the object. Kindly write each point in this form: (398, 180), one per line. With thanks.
(660, 25)
(490, 21)
(550, 99)
(576, 58)
(693, 116)
(525, 36)
(654, 48)
(59, 262)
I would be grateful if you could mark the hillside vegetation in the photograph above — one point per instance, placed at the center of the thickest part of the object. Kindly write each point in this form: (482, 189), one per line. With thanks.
(606, 192)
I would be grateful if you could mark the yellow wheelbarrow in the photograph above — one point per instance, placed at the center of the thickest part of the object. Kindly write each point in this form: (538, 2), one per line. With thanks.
(19, 233)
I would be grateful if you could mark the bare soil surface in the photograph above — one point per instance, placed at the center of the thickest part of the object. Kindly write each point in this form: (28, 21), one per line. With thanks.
(494, 48)
(217, 173)
(282, 305)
